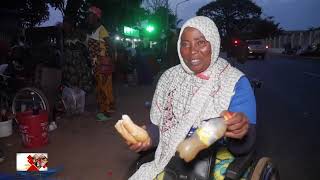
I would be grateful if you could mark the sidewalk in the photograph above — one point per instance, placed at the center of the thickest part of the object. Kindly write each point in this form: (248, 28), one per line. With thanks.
(85, 148)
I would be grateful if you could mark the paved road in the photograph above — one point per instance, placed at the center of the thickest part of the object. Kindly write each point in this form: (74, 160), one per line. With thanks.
(287, 106)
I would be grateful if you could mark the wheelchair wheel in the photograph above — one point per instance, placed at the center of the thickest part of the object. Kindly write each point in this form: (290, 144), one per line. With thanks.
(265, 170)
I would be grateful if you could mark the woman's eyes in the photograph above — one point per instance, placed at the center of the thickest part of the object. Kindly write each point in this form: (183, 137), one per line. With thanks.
(184, 44)
(198, 44)
(201, 42)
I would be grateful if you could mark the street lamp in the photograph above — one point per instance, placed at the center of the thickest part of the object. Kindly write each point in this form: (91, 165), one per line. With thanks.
(176, 13)
(150, 28)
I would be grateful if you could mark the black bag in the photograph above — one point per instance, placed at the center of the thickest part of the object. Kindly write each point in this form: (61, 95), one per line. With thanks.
(200, 168)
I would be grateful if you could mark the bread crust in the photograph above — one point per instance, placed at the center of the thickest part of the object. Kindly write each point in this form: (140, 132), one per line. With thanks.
(131, 132)
(137, 132)
(124, 133)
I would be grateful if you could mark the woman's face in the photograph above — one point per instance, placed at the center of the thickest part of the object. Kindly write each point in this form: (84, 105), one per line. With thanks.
(195, 50)
(67, 27)
(92, 19)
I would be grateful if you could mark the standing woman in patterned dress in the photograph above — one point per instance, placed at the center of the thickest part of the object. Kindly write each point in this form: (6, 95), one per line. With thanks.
(76, 71)
(100, 55)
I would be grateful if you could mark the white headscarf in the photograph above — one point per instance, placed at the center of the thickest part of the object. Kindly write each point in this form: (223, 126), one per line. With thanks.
(210, 31)
(183, 100)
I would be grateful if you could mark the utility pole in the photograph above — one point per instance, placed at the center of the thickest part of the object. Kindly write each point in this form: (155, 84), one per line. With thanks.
(176, 12)
(167, 31)
(167, 5)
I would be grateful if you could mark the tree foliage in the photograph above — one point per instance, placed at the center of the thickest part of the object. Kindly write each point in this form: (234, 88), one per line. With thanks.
(161, 11)
(263, 27)
(30, 12)
(115, 13)
(118, 12)
(154, 5)
(242, 19)
(163, 19)
(231, 16)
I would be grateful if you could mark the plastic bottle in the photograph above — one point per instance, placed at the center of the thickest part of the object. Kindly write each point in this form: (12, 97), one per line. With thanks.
(209, 132)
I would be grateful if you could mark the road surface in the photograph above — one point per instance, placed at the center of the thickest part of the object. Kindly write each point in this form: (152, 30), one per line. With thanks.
(287, 110)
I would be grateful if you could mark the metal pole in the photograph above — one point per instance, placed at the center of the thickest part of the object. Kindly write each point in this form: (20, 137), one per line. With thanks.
(167, 5)
(166, 31)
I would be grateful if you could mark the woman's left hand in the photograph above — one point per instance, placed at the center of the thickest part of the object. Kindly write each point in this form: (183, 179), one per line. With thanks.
(237, 125)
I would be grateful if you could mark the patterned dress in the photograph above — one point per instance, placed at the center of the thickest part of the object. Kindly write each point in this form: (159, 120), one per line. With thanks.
(101, 61)
(76, 71)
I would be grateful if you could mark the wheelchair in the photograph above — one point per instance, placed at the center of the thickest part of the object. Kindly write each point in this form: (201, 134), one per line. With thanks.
(246, 167)
(265, 169)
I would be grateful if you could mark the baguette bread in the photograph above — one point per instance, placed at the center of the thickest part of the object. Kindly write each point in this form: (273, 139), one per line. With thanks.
(137, 132)
(124, 133)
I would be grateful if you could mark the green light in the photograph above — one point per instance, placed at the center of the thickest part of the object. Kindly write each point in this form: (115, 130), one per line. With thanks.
(130, 31)
(150, 28)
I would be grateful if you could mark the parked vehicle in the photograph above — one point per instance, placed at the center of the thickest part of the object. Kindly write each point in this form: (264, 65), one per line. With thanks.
(257, 48)
(237, 49)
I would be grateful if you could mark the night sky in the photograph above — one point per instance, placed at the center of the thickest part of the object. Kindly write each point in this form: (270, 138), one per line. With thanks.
(291, 14)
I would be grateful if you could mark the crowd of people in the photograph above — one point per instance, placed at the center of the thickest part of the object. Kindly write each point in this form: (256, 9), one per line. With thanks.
(92, 58)
(89, 60)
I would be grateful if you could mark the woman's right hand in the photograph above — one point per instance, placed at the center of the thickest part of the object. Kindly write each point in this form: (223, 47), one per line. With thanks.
(141, 146)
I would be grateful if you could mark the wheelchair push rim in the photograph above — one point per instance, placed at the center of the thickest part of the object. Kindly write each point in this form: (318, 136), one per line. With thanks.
(265, 170)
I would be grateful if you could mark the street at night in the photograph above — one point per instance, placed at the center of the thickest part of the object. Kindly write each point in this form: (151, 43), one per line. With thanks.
(287, 111)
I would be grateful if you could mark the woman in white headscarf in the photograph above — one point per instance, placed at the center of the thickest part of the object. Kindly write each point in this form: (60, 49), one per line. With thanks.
(203, 86)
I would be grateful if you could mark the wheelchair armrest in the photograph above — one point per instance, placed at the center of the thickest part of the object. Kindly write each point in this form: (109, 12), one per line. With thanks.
(145, 156)
(239, 165)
